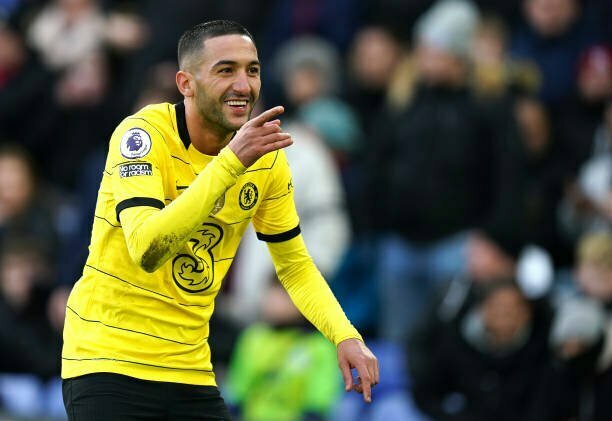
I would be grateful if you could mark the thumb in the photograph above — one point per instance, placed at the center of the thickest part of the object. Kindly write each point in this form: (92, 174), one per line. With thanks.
(346, 375)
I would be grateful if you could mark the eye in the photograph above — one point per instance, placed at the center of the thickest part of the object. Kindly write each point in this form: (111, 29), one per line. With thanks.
(254, 70)
(225, 70)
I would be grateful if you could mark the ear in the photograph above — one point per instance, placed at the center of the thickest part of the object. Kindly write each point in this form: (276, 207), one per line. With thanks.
(185, 83)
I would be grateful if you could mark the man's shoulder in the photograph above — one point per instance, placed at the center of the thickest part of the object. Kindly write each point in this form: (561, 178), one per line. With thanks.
(156, 115)
(146, 130)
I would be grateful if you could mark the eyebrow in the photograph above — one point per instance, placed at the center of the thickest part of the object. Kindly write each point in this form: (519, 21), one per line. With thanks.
(233, 63)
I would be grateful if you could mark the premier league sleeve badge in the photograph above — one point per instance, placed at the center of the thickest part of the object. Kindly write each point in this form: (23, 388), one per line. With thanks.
(135, 143)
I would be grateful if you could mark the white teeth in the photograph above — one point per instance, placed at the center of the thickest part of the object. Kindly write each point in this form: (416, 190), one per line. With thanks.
(238, 103)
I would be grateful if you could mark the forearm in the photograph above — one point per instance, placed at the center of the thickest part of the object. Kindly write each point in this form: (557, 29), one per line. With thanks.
(309, 290)
(154, 235)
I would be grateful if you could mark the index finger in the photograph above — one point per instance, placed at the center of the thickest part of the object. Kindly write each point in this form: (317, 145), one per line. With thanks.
(267, 115)
(366, 382)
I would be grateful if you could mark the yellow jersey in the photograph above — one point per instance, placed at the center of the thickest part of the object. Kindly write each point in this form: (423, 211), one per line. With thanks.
(167, 225)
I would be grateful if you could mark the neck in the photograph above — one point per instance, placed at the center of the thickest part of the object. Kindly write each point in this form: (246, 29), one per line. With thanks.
(207, 138)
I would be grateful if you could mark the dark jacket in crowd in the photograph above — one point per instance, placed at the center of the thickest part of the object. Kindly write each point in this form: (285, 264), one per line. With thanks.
(28, 343)
(444, 164)
(452, 380)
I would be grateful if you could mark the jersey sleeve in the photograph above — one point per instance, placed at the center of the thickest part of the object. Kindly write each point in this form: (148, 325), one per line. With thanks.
(135, 162)
(309, 290)
(154, 232)
(276, 219)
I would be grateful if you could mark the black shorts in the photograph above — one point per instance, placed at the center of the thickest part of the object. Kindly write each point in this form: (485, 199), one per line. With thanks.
(113, 397)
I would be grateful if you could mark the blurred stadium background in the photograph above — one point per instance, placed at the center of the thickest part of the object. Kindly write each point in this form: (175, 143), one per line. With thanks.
(453, 173)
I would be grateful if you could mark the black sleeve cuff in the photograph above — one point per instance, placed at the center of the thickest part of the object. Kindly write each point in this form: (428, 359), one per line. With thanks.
(138, 201)
(279, 238)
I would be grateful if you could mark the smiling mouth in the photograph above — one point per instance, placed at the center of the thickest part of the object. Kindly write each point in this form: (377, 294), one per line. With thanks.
(237, 103)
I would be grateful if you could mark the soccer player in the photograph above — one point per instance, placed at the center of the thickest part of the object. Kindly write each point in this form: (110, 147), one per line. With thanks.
(180, 186)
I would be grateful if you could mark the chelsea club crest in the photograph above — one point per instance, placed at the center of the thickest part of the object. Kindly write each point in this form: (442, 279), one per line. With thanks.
(248, 196)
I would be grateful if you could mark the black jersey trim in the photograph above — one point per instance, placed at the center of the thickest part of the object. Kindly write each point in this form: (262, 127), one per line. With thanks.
(181, 124)
(146, 121)
(129, 330)
(279, 238)
(146, 289)
(136, 362)
(265, 168)
(128, 282)
(107, 221)
(239, 222)
(277, 197)
(138, 201)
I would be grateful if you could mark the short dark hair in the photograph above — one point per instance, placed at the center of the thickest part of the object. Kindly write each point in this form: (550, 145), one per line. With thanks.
(192, 39)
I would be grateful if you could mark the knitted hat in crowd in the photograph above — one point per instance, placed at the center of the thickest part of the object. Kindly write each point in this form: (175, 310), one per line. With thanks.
(449, 26)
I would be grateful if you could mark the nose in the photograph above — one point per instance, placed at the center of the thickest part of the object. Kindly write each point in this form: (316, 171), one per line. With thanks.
(241, 83)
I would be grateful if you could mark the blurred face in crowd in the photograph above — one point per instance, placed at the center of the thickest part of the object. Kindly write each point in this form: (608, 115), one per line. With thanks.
(226, 81)
(505, 313)
(16, 185)
(17, 274)
(551, 17)
(437, 67)
(12, 51)
(303, 85)
(595, 75)
(374, 57)
(278, 309)
(596, 281)
(488, 45)
(533, 123)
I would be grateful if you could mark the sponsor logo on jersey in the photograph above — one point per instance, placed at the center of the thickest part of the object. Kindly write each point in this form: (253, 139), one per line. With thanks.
(135, 143)
(195, 272)
(137, 168)
(218, 205)
(248, 196)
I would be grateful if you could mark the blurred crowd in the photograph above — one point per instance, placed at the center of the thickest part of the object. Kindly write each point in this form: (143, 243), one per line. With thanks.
(453, 173)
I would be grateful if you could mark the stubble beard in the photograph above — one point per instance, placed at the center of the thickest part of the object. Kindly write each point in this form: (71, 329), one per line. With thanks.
(211, 114)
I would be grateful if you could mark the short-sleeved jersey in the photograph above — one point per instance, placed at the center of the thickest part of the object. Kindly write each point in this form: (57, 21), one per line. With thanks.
(154, 326)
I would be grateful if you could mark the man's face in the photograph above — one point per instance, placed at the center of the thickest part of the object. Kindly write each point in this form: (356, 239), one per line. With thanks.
(505, 313)
(551, 17)
(227, 81)
(595, 281)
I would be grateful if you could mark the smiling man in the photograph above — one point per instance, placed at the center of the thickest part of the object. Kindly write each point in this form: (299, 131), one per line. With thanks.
(180, 186)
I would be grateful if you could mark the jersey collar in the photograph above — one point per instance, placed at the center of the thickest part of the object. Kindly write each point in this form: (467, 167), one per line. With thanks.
(181, 124)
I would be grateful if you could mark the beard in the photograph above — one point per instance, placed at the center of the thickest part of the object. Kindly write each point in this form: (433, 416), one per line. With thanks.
(211, 112)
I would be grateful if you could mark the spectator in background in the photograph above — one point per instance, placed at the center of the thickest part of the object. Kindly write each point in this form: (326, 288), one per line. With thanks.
(579, 384)
(482, 359)
(442, 176)
(24, 210)
(373, 58)
(30, 342)
(66, 31)
(555, 34)
(495, 75)
(310, 70)
(282, 369)
(542, 172)
(580, 116)
(333, 21)
(587, 204)
(73, 38)
(31, 322)
(12, 55)
(24, 89)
